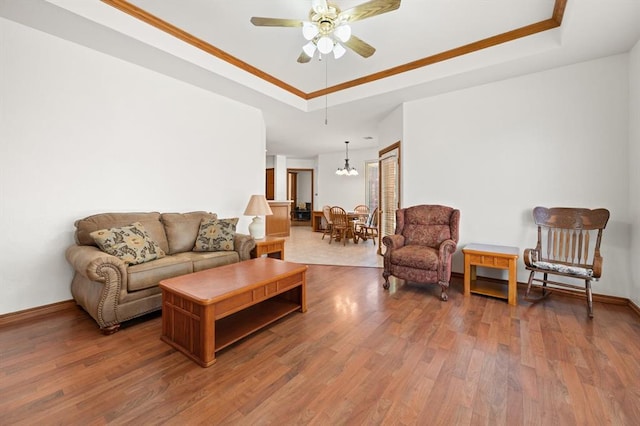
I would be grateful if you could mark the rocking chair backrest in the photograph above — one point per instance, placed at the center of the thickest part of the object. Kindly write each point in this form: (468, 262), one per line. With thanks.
(565, 235)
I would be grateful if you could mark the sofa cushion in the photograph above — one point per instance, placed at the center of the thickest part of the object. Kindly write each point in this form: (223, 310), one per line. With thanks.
(182, 229)
(149, 274)
(150, 221)
(130, 243)
(209, 259)
(216, 235)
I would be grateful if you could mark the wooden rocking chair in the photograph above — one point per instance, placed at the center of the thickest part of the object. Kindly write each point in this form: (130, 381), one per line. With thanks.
(564, 249)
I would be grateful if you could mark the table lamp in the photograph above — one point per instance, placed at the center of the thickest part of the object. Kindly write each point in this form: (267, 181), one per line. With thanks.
(258, 206)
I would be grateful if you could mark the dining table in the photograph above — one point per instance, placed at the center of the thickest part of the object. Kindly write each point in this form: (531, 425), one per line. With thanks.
(355, 217)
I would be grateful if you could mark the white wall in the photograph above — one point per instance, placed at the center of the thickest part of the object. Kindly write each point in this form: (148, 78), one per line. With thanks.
(555, 138)
(634, 170)
(390, 128)
(82, 133)
(344, 191)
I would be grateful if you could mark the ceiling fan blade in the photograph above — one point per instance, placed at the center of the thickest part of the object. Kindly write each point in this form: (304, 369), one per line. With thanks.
(319, 6)
(303, 58)
(275, 22)
(368, 9)
(360, 47)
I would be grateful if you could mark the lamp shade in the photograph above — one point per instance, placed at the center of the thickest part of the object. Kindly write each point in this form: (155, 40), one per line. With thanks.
(258, 206)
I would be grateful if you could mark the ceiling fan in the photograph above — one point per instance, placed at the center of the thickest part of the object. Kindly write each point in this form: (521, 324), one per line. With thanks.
(327, 29)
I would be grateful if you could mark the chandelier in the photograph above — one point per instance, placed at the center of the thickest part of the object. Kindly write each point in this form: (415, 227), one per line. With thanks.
(325, 31)
(347, 171)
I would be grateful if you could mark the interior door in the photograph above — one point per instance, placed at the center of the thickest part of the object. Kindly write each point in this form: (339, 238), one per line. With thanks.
(270, 184)
(389, 169)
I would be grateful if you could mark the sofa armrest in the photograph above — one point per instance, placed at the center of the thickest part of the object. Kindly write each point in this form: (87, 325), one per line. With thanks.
(243, 245)
(96, 265)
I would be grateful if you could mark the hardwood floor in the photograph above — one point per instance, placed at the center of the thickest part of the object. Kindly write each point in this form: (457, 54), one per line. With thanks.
(360, 355)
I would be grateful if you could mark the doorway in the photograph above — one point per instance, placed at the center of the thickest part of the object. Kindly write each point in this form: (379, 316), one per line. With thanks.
(300, 193)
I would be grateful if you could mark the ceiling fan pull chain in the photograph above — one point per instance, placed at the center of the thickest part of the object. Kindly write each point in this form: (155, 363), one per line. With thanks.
(326, 94)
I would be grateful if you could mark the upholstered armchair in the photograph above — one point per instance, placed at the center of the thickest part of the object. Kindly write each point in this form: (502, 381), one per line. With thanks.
(425, 238)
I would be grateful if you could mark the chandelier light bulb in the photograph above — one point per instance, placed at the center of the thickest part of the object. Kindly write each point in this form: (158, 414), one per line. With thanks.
(343, 33)
(325, 45)
(338, 51)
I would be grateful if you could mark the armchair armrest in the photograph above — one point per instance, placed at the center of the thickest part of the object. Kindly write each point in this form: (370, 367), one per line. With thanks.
(96, 265)
(445, 252)
(446, 249)
(393, 241)
(243, 245)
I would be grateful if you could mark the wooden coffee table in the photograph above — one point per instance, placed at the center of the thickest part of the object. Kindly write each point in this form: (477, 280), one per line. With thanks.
(206, 311)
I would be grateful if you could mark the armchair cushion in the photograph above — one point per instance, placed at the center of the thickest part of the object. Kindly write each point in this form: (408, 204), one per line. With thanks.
(427, 227)
(414, 256)
(130, 243)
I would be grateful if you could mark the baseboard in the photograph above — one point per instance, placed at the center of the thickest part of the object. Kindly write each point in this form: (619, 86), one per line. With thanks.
(36, 312)
(602, 298)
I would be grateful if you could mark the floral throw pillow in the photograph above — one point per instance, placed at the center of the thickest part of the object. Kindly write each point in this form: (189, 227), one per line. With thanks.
(130, 243)
(216, 235)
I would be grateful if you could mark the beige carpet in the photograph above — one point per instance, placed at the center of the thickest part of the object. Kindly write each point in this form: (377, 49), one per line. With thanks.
(305, 246)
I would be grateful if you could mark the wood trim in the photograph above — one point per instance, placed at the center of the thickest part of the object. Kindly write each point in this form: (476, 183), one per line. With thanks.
(547, 24)
(162, 25)
(34, 313)
(635, 308)
(442, 56)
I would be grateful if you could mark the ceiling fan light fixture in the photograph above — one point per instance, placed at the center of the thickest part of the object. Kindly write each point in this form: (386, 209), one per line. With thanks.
(338, 51)
(325, 45)
(309, 30)
(343, 33)
(309, 49)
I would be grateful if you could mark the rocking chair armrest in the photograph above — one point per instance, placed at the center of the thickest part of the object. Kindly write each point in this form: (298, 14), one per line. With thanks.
(597, 265)
(393, 241)
(530, 256)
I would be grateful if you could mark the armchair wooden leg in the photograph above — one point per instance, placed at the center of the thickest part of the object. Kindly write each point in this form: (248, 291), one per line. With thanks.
(443, 295)
(385, 285)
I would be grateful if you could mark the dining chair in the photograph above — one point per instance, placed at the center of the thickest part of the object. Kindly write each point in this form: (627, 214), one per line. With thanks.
(326, 213)
(362, 213)
(370, 228)
(339, 224)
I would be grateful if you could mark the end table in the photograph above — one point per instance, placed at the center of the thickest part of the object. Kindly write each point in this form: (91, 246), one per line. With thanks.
(271, 246)
(491, 256)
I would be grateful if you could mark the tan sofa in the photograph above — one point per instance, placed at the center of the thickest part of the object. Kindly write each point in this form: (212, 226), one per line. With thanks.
(112, 291)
